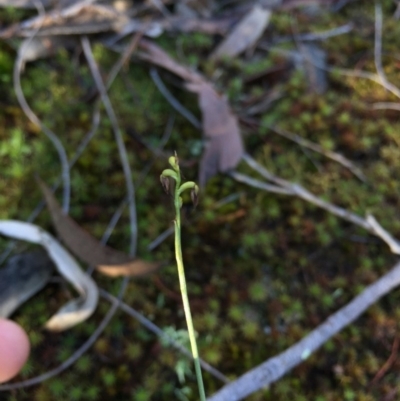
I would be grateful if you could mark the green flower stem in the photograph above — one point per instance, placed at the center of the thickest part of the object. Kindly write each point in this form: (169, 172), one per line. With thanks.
(182, 282)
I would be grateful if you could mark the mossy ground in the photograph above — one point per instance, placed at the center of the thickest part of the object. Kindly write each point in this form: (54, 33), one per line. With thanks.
(263, 269)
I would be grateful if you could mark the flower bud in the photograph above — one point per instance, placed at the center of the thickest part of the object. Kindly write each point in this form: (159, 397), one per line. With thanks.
(194, 195)
(165, 183)
(174, 162)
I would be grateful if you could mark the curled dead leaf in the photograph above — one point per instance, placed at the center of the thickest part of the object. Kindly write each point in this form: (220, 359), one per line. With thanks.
(77, 310)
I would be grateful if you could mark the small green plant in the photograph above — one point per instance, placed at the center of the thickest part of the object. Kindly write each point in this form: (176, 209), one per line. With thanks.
(165, 178)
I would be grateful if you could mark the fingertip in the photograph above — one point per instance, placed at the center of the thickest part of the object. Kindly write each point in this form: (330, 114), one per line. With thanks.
(14, 349)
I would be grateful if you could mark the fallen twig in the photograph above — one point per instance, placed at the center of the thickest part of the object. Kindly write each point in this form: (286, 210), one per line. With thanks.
(274, 368)
(172, 100)
(386, 105)
(379, 77)
(317, 148)
(369, 223)
(120, 143)
(386, 366)
(259, 184)
(18, 67)
(304, 37)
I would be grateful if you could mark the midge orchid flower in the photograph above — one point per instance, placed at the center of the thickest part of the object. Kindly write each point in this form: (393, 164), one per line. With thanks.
(174, 174)
(165, 178)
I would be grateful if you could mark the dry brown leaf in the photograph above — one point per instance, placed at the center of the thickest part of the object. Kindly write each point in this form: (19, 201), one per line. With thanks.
(217, 116)
(245, 34)
(135, 268)
(313, 61)
(154, 54)
(87, 248)
(224, 147)
(81, 243)
(78, 18)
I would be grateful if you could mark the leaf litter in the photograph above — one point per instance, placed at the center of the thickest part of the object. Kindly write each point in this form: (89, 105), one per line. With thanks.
(218, 120)
(224, 145)
(77, 310)
(244, 35)
(23, 276)
(107, 260)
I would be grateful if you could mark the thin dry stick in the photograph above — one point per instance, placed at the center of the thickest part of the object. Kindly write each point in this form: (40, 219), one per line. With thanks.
(74, 357)
(273, 369)
(377, 78)
(18, 67)
(380, 77)
(369, 223)
(386, 366)
(378, 44)
(125, 56)
(378, 59)
(313, 36)
(245, 179)
(172, 100)
(378, 230)
(386, 105)
(118, 137)
(265, 173)
(317, 148)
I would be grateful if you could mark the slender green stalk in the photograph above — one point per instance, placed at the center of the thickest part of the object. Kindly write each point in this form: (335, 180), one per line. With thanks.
(165, 176)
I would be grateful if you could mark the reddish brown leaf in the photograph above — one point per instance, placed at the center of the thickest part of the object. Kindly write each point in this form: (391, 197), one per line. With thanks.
(87, 248)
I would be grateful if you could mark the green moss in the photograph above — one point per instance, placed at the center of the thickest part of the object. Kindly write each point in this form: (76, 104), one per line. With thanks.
(258, 292)
(262, 260)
